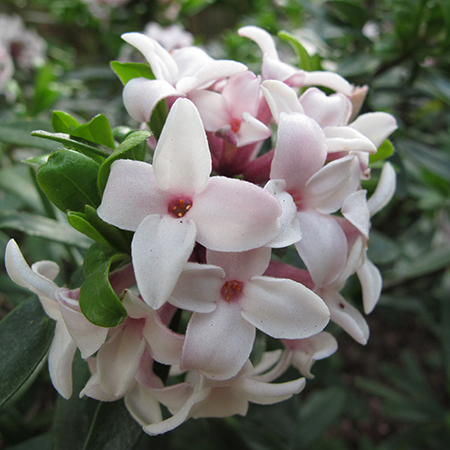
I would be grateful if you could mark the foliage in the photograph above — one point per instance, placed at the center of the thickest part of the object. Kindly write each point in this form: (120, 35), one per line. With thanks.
(392, 395)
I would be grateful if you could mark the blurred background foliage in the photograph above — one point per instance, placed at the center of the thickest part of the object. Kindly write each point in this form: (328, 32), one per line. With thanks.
(392, 393)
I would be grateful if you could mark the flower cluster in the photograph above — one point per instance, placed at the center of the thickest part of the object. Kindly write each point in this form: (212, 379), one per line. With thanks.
(18, 46)
(205, 216)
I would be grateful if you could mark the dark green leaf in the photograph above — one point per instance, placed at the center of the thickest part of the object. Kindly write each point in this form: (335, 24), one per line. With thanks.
(128, 71)
(126, 150)
(63, 122)
(35, 225)
(97, 130)
(73, 417)
(328, 405)
(25, 336)
(69, 179)
(79, 222)
(42, 442)
(98, 301)
(158, 118)
(88, 148)
(113, 428)
(305, 59)
(19, 133)
(45, 93)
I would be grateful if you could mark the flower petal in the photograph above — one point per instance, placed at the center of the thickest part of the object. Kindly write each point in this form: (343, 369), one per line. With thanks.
(283, 308)
(131, 194)
(198, 288)
(371, 283)
(118, 359)
(161, 246)
(376, 126)
(384, 191)
(323, 247)
(280, 98)
(212, 107)
(205, 348)
(346, 139)
(62, 351)
(300, 150)
(143, 406)
(141, 95)
(241, 266)
(356, 211)
(182, 161)
(234, 215)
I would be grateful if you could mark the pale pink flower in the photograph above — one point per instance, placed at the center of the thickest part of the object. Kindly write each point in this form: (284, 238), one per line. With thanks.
(174, 203)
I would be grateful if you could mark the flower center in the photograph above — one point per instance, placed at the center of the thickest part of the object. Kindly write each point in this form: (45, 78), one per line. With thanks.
(180, 206)
(235, 125)
(231, 290)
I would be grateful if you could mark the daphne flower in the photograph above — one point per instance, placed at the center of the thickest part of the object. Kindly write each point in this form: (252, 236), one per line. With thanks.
(72, 328)
(175, 203)
(230, 298)
(176, 74)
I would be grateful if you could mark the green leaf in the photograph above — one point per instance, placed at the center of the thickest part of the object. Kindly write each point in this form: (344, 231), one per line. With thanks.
(128, 149)
(19, 133)
(158, 118)
(42, 442)
(98, 301)
(305, 59)
(113, 428)
(128, 71)
(45, 90)
(79, 222)
(90, 149)
(385, 150)
(35, 225)
(329, 405)
(97, 130)
(73, 417)
(63, 122)
(26, 334)
(69, 179)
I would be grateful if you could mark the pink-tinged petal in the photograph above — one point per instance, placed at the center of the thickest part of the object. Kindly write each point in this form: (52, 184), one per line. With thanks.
(347, 316)
(212, 107)
(384, 191)
(251, 130)
(327, 79)
(221, 402)
(300, 150)
(232, 215)
(347, 139)
(290, 231)
(268, 361)
(332, 110)
(131, 194)
(323, 247)
(181, 415)
(356, 211)
(21, 273)
(135, 306)
(307, 351)
(118, 359)
(274, 69)
(241, 266)
(376, 126)
(141, 95)
(280, 98)
(62, 351)
(327, 189)
(283, 308)
(143, 406)
(182, 161)
(205, 348)
(189, 60)
(242, 94)
(262, 38)
(87, 337)
(161, 246)
(267, 393)
(93, 390)
(371, 283)
(165, 345)
(198, 288)
(356, 255)
(207, 74)
(162, 64)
